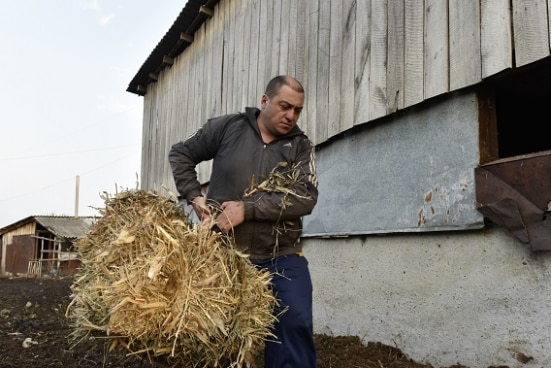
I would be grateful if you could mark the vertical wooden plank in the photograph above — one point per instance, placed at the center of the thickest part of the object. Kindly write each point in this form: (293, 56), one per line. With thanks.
(172, 115)
(183, 105)
(190, 81)
(241, 37)
(362, 60)
(530, 30)
(190, 125)
(322, 86)
(464, 28)
(176, 129)
(309, 117)
(211, 66)
(301, 45)
(198, 74)
(253, 98)
(147, 175)
(215, 85)
(244, 27)
(487, 127)
(194, 78)
(160, 112)
(188, 91)
(284, 34)
(346, 120)
(414, 51)
(436, 48)
(335, 66)
(214, 70)
(153, 133)
(228, 57)
(496, 46)
(201, 70)
(276, 39)
(177, 102)
(231, 90)
(266, 41)
(195, 100)
(291, 18)
(209, 69)
(341, 72)
(378, 65)
(395, 65)
(170, 99)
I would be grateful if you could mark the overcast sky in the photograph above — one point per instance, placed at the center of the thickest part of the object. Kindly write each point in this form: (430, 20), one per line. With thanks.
(65, 112)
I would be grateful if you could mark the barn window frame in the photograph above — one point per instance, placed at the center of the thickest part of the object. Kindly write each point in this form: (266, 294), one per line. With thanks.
(513, 179)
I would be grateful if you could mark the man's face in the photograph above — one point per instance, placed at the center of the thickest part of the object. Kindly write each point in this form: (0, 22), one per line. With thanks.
(282, 111)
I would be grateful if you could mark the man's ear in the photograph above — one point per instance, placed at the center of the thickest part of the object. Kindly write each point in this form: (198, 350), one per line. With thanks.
(263, 101)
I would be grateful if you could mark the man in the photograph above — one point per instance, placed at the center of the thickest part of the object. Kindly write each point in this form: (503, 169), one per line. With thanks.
(247, 148)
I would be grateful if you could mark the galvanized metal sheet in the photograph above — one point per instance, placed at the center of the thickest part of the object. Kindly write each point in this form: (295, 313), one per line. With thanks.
(412, 172)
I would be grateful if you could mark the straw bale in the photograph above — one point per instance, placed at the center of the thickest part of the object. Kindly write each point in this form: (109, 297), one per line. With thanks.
(153, 283)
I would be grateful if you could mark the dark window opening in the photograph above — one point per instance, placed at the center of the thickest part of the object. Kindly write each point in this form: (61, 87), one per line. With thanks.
(523, 102)
(67, 246)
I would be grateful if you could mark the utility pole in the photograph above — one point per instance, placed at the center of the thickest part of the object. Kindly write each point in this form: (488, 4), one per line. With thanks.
(76, 195)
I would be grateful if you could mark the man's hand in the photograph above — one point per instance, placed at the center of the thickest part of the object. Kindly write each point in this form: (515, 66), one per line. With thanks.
(200, 207)
(202, 210)
(232, 215)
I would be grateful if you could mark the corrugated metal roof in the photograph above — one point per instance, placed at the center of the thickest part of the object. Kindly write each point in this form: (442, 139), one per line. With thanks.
(174, 42)
(66, 227)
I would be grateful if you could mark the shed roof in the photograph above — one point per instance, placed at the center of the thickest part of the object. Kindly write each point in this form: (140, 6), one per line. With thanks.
(174, 42)
(67, 227)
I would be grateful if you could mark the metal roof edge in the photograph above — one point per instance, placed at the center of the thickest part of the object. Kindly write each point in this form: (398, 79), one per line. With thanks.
(37, 218)
(174, 42)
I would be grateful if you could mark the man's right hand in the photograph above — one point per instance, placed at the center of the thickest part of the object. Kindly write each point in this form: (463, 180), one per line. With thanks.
(201, 208)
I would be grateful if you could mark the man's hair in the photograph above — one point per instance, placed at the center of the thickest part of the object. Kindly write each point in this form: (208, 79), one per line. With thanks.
(282, 80)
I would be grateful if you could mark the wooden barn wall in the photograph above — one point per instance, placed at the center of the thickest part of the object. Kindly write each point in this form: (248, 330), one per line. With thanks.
(7, 240)
(359, 60)
(27, 229)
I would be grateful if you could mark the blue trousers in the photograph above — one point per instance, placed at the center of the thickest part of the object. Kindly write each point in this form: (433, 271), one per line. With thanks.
(292, 287)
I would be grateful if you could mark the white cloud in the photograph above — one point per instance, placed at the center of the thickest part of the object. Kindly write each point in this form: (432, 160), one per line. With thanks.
(106, 19)
(95, 6)
(92, 4)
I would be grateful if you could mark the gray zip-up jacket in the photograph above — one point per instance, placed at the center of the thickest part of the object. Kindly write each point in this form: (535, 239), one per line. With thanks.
(273, 219)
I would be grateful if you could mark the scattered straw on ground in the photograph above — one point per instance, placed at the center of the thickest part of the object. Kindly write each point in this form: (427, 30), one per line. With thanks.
(151, 284)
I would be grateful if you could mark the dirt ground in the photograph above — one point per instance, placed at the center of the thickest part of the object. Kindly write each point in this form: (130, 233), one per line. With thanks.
(32, 314)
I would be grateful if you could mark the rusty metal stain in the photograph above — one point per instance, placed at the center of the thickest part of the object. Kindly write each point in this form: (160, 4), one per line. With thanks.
(428, 197)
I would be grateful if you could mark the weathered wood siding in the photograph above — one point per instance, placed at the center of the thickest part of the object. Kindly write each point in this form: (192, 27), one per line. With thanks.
(358, 60)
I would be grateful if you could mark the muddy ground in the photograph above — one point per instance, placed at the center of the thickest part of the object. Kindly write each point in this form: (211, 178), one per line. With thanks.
(32, 313)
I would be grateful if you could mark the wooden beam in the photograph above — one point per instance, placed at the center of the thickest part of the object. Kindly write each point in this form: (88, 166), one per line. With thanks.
(186, 37)
(167, 60)
(154, 76)
(206, 11)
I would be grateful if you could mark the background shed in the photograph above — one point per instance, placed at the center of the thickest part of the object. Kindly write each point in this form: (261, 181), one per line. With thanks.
(42, 245)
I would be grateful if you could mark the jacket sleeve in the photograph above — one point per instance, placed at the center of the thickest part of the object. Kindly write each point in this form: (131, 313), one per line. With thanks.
(184, 157)
(300, 194)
